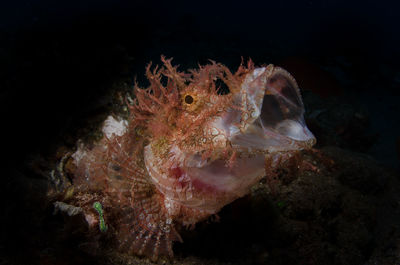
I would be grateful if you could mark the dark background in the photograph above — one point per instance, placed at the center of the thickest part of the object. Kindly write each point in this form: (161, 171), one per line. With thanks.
(61, 63)
(59, 57)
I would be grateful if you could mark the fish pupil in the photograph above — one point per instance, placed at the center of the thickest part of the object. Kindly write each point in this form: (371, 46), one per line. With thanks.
(189, 99)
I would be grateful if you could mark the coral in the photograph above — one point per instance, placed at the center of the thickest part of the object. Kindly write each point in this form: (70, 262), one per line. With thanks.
(187, 150)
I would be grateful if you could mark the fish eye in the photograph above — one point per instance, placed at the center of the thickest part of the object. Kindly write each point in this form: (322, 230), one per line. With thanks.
(188, 99)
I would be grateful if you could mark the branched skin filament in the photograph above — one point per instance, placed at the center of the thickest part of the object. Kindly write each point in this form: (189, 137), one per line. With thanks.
(186, 150)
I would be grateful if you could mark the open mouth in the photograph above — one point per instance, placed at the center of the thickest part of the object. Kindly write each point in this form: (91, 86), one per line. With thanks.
(269, 117)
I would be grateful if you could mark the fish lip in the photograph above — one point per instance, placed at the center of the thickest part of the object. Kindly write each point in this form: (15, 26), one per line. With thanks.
(246, 145)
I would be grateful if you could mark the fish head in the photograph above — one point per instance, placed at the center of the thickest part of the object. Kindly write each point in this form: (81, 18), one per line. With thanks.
(207, 148)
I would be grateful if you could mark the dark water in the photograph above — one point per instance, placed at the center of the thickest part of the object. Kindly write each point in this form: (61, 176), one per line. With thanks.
(61, 60)
(57, 58)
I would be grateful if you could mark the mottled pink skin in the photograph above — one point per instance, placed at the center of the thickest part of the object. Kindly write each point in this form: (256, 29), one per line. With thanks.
(208, 183)
(187, 151)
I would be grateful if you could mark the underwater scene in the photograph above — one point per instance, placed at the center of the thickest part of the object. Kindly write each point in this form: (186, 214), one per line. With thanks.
(212, 132)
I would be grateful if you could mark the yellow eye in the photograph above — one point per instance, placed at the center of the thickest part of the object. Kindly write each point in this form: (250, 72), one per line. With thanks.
(191, 101)
(188, 99)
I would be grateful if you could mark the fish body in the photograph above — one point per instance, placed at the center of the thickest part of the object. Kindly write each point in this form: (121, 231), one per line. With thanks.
(187, 149)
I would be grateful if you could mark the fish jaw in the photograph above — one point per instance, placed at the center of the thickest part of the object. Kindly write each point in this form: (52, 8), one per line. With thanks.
(270, 117)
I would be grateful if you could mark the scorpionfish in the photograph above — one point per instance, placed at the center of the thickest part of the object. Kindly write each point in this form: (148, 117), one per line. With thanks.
(187, 150)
